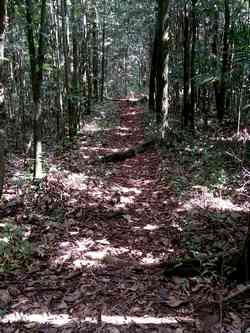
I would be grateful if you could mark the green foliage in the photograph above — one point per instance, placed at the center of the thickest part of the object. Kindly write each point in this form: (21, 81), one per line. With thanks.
(179, 184)
(2, 312)
(15, 249)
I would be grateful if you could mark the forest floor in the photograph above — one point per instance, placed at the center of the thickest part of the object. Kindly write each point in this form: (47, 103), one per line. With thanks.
(85, 250)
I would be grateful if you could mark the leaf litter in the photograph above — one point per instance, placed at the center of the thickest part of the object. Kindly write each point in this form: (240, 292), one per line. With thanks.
(101, 235)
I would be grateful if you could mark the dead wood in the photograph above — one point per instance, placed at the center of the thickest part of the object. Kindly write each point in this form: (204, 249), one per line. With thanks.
(130, 100)
(129, 153)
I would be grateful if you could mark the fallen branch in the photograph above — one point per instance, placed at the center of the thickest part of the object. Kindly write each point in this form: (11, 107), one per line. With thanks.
(129, 100)
(237, 293)
(129, 153)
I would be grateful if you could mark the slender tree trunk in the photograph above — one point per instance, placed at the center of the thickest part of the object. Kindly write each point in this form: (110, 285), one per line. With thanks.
(88, 69)
(162, 101)
(187, 68)
(225, 63)
(95, 69)
(103, 51)
(75, 75)
(125, 68)
(193, 53)
(65, 34)
(152, 79)
(59, 93)
(83, 59)
(2, 110)
(36, 66)
(215, 53)
(220, 87)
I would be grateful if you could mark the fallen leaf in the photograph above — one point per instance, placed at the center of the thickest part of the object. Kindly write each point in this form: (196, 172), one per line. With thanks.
(113, 330)
(174, 303)
(4, 298)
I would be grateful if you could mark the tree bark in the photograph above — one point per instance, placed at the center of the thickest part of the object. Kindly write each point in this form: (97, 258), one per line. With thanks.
(36, 68)
(65, 37)
(220, 86)
(193, 54)
(75, 74)
(152, 80)
(162, 100)
(103, 63)
(225, 63)
(187, 68)
(95, 66)
(2, 110)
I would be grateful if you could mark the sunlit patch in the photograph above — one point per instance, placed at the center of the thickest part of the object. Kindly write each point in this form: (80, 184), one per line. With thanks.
(76, 181)
(87, 252)
(206, 200)
(151, 260)
(91, 127)
(64, 319)
(4, 240)
(176, 225)
(123, 128)
(126, 190)
(141, 182)
(151, 227)
(126, 200)
(98, 149)
(125, 195)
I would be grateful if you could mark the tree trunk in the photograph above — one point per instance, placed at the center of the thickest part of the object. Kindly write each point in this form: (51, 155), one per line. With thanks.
(89, 73)
(65, 35)
(152, 87)
(162, 103)
(84, 58)
(103, 51)
(193, 53)
(75, 75)
(187, 68)
(36, 67)
(2, 110)
(246, 255)
(225, 63)
(95, 68)
(59, 93)
(220, 86)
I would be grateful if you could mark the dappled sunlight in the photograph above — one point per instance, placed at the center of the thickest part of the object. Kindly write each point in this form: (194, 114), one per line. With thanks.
(243, 136)
(63, 319)
(77, 181)
(87, 252)
(202, 198)
(150, 259)
(151, 227)
(92, 126)
(126, 190)
(132, 112)
(97, 149)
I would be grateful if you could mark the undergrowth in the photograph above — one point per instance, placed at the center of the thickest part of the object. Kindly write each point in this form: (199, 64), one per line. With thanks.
(15, 248)
(209, 177)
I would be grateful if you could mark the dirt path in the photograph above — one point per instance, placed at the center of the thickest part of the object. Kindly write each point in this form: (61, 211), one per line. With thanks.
(99, 242)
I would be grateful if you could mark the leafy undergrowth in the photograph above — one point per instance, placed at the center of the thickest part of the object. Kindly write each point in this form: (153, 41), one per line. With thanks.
(84, 251)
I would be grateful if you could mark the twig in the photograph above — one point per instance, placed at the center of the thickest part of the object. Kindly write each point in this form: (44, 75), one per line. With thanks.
(236, 293)
(234, 156)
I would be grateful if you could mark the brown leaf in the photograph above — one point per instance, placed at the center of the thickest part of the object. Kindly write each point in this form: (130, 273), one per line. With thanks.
(4, 298)
(175, 303)
(113, 330)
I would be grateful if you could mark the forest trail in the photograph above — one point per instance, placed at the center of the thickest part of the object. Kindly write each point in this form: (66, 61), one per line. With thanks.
(99, 240)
